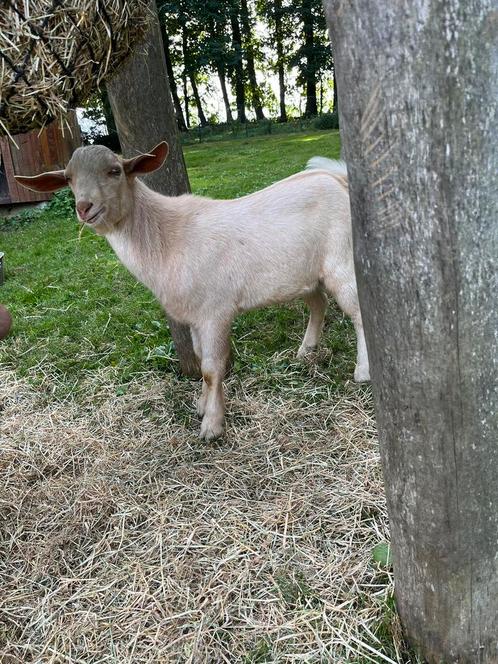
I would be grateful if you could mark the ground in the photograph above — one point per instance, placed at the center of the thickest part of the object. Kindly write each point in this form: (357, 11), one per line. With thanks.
(123, 537)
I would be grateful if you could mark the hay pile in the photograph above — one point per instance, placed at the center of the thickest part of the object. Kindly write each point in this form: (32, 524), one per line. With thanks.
(124, 539)
(54, 54)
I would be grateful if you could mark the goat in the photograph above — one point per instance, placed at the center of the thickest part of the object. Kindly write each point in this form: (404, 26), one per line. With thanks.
(208, 260)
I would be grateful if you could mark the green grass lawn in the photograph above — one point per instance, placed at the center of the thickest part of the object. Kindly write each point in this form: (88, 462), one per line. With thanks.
(75, 308)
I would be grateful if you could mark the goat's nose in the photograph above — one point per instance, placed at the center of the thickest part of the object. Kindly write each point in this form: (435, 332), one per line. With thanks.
(83, 208)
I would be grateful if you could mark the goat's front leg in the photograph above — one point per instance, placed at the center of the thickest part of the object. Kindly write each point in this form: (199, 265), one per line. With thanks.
(214, 345)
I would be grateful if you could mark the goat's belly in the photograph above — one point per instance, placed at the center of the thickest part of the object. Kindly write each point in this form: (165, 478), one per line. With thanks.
(256, 299)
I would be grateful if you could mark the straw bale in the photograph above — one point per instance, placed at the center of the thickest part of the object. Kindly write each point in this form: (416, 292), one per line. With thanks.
(54, 54)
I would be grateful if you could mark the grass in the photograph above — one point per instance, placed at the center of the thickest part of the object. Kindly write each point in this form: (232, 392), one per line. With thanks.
(125, 539)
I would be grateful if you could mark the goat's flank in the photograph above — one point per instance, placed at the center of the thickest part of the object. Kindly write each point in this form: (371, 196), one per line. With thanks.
(208, 260)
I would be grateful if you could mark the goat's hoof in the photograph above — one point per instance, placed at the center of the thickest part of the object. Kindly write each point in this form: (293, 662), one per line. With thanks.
(361, 374)
(210, 429)
(305, 352)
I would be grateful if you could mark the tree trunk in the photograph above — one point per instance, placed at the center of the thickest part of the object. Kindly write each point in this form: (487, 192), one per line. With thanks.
(310, 77)
(202, 118)
(109, 117)
(249, 55)
(419, 120)
(226, 101)
(144, 115)
(172, 81)
(240, 96)
(186, 98)
(335, 101)
(280, 59)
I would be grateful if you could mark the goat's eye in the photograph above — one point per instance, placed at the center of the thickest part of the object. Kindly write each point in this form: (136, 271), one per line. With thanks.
(68, 178)
(114, 171)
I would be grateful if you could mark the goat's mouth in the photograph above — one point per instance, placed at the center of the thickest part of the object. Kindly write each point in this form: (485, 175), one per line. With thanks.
(94, 218)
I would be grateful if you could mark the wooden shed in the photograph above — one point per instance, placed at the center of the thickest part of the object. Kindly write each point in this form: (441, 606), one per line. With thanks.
(45, 150)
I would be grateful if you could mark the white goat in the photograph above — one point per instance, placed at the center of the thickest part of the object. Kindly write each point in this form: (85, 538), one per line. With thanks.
(208, 260)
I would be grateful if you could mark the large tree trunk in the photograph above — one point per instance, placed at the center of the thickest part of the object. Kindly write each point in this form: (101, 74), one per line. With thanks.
(240, 96)
(419, 119)
(310, 74)
(144, 115)
(280, 58)
(249, 55)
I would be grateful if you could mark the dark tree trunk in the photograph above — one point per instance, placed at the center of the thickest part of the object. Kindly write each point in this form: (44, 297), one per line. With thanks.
(335, 105)
(280, 59)
(186, 98)
(144, 123)
(109, 117)
(202, 118)
(185, 75)
(172, 81)
(249, 56)
(226, 101)
(419, 121)
(310, 74)
(240, 96)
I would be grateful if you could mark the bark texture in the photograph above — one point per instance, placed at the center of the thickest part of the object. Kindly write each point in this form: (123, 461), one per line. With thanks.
(143, 110)
(417, 82)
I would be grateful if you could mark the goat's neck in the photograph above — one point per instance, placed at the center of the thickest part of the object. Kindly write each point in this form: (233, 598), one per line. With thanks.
(144, 239)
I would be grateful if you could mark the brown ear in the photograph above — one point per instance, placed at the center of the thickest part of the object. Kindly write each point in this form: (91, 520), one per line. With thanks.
(50, 181)
(146, 163)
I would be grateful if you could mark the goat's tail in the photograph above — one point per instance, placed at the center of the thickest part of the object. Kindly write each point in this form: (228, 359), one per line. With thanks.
(336, 167)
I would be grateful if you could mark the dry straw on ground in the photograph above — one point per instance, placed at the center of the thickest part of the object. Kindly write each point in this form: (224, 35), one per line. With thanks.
(125, 539)
(54, 54)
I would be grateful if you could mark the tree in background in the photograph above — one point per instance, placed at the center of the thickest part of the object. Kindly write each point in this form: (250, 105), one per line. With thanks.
(313, 56)
(277, 16)
(238, 75)
(215, 50)
(249, 54)
(169, 66)
(217, 39)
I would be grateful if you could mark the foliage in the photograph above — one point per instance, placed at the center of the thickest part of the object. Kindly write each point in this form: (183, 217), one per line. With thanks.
(327, 121)
(218, 38)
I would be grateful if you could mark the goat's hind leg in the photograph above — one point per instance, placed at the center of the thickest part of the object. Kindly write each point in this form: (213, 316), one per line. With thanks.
(196, 343)
(317, 303)
(346, 295)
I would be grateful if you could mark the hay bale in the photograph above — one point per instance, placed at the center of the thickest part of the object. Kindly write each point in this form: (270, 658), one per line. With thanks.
(54, 54)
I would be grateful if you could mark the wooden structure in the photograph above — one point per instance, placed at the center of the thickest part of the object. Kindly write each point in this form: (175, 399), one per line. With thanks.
(45, 150)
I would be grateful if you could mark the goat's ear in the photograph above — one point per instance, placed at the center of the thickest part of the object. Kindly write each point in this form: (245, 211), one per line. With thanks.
(146, 163)
(50, 181)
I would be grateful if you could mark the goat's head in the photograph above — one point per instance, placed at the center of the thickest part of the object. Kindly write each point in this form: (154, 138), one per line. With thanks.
(102, 182)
